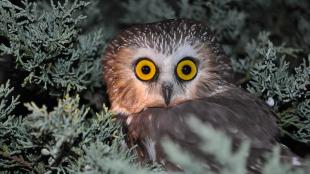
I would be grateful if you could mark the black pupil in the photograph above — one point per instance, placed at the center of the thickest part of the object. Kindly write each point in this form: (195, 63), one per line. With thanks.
(186, 69)
(146, 69)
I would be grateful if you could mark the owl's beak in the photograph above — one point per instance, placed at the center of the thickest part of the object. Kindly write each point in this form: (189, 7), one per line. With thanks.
(167, 89)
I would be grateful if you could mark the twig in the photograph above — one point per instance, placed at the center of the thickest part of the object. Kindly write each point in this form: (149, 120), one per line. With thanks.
(19, 160)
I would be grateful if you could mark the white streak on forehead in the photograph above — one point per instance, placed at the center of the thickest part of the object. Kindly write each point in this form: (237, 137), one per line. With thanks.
(184, 51)
(180, 52)
(150, 53)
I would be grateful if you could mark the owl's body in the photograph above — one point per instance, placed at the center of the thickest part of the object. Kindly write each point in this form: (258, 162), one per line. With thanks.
(159, 74)
(238, 114)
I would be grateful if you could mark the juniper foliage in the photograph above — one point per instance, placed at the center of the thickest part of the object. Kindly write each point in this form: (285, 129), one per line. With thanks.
(57, 46)
(14, 139)
(48, 47)
(64, 133)
(272, 80)
(56, 141)
(148, 14)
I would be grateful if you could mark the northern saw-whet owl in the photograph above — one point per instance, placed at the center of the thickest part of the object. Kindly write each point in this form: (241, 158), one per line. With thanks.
(158, 74)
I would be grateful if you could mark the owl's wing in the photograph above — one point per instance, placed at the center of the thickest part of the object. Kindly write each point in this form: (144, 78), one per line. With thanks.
(236, 112)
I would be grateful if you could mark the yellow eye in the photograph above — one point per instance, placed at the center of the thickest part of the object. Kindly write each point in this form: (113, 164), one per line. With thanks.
(145, 69)
(186, 69)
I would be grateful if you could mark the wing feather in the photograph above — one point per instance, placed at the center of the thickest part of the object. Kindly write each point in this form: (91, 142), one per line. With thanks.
(236, 112)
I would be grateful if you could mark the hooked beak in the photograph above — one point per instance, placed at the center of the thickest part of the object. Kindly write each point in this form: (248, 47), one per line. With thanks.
(167, 89)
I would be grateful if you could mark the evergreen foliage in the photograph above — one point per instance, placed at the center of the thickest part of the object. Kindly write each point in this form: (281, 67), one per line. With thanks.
(47, 46)
(270, 79)
(14, 138)
(56, 47)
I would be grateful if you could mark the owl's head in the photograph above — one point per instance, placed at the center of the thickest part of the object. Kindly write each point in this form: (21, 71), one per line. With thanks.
(162, 64)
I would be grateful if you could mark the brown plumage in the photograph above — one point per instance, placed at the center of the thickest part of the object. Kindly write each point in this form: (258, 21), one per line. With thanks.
(235, 112)
(192, 77)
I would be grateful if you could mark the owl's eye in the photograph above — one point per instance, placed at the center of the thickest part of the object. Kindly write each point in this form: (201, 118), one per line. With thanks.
(186, 69)
(145, 69)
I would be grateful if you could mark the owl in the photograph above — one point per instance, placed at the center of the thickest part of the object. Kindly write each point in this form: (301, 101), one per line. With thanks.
(158, 74)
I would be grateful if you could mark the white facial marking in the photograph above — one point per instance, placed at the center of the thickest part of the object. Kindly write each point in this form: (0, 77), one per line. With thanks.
(166, 64)
(185, 51)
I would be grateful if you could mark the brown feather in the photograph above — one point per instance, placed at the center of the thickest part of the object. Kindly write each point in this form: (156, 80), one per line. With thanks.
(237, 113)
